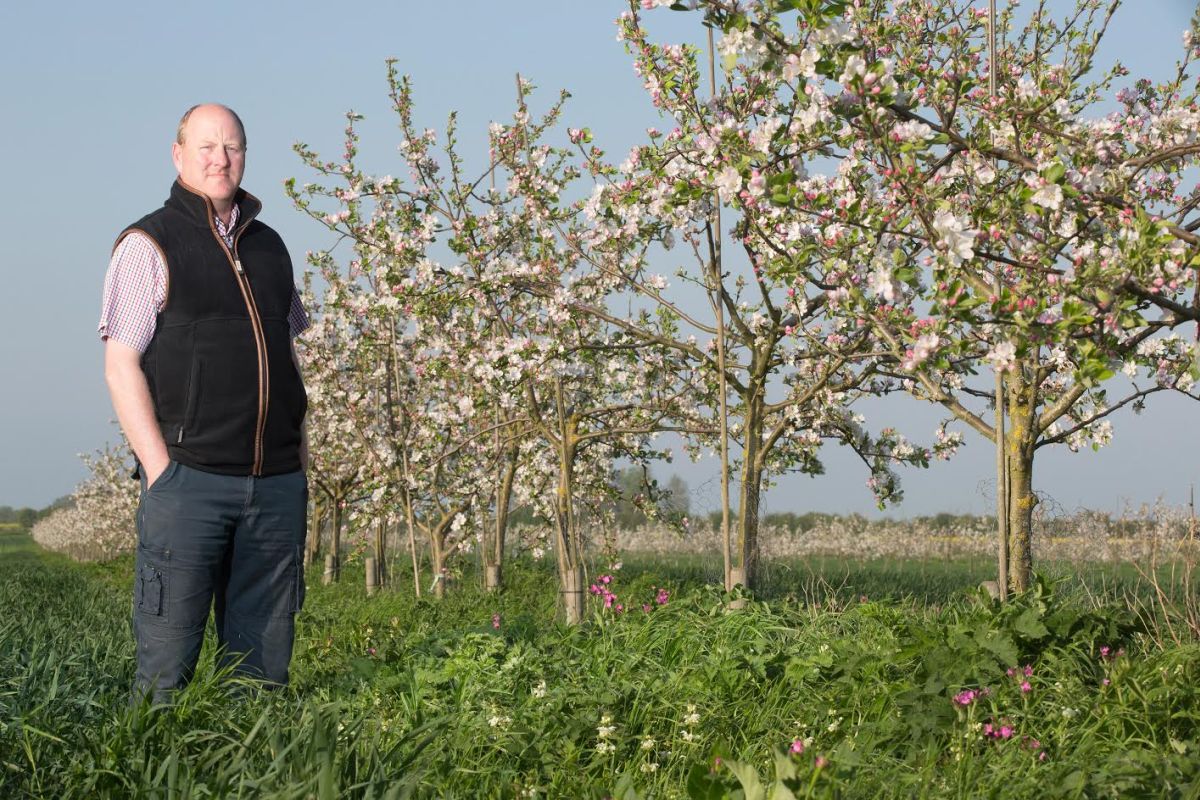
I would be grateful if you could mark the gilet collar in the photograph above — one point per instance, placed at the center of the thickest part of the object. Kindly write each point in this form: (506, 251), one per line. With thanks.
(199, 208)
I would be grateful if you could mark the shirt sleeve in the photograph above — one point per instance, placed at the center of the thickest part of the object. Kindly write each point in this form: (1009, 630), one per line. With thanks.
(298, 321)
(135, 289)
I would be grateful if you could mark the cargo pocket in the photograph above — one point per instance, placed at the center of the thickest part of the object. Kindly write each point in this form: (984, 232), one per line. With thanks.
(150, 583)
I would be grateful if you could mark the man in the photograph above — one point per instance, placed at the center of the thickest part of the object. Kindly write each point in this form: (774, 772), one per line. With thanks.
(198, 315)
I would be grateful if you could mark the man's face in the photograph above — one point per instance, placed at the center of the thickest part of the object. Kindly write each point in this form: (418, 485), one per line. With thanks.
(212, 157)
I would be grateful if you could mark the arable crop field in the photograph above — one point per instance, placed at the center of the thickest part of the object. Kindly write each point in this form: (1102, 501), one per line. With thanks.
(848, 679)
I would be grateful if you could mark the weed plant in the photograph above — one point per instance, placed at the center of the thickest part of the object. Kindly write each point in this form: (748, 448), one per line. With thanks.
(841, 680)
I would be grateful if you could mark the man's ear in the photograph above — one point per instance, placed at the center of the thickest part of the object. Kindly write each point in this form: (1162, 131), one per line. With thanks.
(177, 156)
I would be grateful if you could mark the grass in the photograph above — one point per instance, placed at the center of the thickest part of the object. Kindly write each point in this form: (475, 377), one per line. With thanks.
(395, 696)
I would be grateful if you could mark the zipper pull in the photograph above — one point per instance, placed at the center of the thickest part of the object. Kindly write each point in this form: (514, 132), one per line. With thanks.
(180, 438)
(238, 264)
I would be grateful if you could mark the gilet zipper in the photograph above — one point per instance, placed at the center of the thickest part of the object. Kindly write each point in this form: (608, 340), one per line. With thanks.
(260, 341)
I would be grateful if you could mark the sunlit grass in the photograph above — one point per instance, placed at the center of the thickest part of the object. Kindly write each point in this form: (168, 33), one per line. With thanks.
(857, 662)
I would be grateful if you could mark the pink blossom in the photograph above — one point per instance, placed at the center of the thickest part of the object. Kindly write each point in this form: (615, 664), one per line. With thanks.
(1026, 688)
(496, 621)
(797, 747)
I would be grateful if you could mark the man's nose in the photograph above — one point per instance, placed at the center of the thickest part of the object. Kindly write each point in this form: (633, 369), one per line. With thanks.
(220, 157)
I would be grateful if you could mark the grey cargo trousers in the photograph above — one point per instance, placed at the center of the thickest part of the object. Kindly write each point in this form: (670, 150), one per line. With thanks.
(233, 544)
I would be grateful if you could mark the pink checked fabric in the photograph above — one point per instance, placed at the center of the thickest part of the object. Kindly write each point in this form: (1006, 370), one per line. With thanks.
(135, 289)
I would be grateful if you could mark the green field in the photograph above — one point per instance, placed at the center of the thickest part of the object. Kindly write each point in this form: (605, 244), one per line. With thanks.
(860, 664)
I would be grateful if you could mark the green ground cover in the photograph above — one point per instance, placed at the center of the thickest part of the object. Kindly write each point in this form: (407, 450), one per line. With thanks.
(889, 687)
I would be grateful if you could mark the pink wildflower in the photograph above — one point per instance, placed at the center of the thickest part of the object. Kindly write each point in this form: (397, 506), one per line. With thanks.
(797, 747)
(662, 597)
(1028, 670)
(1005, 732)
(821, 762)
(1026, 688)
(496, 621)
(966, 697)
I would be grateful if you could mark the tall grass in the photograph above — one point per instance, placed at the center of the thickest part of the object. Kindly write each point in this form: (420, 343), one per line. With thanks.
(484, 696)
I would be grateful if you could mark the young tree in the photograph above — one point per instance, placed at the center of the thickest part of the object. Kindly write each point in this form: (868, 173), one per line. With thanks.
(336, 453)
(793, 369)
(478, 351)
(1019, 230)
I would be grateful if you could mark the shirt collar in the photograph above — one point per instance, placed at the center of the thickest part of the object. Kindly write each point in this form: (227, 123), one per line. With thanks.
(224, 229)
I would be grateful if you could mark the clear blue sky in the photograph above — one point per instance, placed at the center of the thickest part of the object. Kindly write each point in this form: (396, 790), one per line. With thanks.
(91, 94)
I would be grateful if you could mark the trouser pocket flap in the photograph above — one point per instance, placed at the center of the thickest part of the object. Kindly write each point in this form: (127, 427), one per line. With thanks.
(150, 583)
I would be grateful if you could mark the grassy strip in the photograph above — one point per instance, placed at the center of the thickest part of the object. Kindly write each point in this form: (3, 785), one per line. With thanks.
(480, 696)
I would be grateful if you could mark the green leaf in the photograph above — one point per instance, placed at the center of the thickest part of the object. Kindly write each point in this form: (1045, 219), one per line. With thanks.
(1073, 782)
(705, 784)
(785, 769)
(747, 776)
(1029, 624)
(624, 790)
(364, 668)
(998, 644)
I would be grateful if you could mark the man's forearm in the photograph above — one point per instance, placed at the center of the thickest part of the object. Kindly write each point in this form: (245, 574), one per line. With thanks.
(135, 411)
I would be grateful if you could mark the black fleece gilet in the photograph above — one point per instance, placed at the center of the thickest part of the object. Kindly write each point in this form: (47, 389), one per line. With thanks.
(226, 392)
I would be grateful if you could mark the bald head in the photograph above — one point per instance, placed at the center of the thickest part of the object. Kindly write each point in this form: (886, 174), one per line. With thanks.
(210, 153)
(181, 131)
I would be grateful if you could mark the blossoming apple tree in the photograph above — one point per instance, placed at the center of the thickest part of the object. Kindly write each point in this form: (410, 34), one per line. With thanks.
(477, 350)
(1015, 229)
(793, 369)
